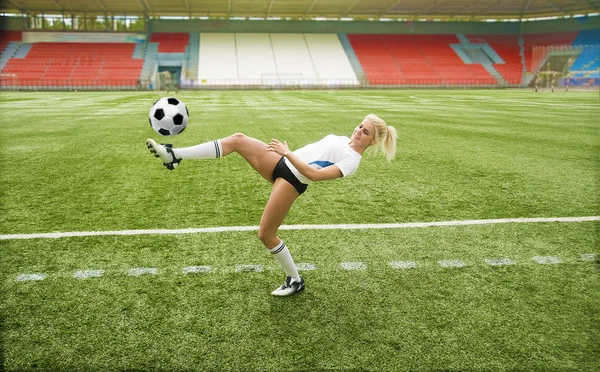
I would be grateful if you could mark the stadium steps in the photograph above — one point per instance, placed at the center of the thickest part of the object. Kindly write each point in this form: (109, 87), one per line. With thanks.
(507, 47)
(138, 52)
(495, 74)
(463, 39)
(150, 61)
(460, 52)
(193, 57)
(8, 53)
(352, 58)
(523, 62)
(22, 50)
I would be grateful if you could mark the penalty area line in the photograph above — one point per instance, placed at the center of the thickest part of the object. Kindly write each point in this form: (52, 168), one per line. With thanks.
(205, 230)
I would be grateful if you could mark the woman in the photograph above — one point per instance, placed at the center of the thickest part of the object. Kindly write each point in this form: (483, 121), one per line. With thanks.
(290, 173)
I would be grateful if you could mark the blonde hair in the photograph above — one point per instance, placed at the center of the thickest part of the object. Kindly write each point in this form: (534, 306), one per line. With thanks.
(385, 136)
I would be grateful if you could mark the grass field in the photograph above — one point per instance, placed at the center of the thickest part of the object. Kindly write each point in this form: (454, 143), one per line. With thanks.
(376, 299)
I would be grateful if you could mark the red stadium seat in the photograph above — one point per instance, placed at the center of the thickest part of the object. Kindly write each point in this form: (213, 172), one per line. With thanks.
(171, 42)
(415, 60)
(76, 63)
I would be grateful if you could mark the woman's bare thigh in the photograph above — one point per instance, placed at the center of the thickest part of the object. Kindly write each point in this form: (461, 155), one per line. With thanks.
(254, 151)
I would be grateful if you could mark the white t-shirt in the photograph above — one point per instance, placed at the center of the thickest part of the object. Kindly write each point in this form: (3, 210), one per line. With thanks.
(326, 152)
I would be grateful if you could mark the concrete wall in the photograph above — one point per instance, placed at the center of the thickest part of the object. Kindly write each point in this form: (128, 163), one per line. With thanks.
(374, 27)
(229, 26)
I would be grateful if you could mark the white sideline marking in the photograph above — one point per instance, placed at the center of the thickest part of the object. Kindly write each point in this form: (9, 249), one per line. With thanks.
(142, 271)
(305, 267)
(84, 274)
(547, 260)
(353, 266)
(196, 269)
(249, 268)
(588, 257)
(31, 277)
(408, 225)
(451, 263)
(403, 265)
(499, 261)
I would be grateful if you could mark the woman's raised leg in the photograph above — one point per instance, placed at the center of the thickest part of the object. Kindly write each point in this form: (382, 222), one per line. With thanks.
(254, 151)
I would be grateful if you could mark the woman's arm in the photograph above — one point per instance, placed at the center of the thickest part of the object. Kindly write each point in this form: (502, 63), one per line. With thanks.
(313, 174)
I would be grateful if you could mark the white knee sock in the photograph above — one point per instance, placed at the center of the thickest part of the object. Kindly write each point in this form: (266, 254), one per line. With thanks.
(208, 150)
(283, 256)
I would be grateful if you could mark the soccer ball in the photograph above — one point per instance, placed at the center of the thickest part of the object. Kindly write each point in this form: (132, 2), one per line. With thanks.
(168, 116)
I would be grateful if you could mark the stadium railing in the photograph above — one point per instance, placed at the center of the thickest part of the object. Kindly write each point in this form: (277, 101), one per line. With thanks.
(131, 83)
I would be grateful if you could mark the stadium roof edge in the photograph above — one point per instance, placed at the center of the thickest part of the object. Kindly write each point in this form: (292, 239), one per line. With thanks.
(422, 10)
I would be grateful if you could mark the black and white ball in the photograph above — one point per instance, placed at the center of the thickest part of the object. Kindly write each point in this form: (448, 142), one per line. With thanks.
(169, 116)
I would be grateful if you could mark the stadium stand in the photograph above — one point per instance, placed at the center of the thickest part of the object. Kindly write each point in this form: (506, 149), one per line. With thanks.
(218, 58)
(298, 59)
(542, 40)
(302, 59)
(150, 61)
(588, 62)
(192, 61)
(330, 61)
(585, 70)
(379, 65)
(171, 42)
(415, 60)
(255, 56)
(74, 64)
(508, 48)
(352, 58)
(292, 57)
(587, 37)
(8, 36)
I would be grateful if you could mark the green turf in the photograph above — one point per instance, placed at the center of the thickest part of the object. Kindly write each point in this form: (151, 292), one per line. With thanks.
(77, 162)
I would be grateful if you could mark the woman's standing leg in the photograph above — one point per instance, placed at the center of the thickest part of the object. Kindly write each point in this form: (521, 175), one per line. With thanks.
(283, 194)
(281, 200)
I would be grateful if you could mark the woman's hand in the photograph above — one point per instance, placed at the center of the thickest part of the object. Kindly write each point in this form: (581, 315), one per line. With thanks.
(278, 147)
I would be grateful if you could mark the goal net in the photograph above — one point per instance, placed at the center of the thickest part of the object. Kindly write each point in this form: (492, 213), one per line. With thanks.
(281, 78)
(163, 81)
(8, 82)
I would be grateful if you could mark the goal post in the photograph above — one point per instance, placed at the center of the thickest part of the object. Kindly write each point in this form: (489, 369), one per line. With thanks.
(163, 81)
(9, 81)
(281, 78)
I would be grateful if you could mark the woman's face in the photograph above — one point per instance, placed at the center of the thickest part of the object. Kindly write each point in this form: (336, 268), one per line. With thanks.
(363, 134)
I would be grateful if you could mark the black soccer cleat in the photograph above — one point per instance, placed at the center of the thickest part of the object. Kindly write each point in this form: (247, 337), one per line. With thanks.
(164, 151)
(290, 287)
(172, 165)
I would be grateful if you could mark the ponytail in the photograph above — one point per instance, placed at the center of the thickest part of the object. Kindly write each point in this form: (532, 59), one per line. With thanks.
(388, 143)
(385, 136)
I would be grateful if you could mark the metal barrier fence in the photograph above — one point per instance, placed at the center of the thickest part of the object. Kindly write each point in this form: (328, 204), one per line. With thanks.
(338, 84)
(12, 83)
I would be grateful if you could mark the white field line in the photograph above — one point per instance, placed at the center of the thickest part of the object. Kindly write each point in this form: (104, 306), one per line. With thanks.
(204, 230)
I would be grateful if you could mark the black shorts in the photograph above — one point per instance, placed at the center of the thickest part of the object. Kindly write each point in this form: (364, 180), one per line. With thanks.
(283, 171)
